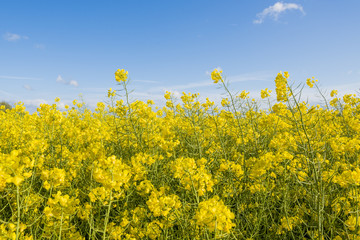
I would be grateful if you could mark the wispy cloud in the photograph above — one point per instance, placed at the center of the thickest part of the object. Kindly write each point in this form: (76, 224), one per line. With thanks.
(275, 10)
(28, 87)
(34, 102)
(146, 81)
(143, 96)
(7, 93)
(96, 90)
(189, 85)
(13, 37)
(18, 78)
(60, 79)
(257, 76)
(251, 77)
(208, 83)
(346, 88)
(39, 46)
(73, 83)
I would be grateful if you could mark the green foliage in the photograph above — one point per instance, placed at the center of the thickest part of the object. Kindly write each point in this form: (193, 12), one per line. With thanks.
(6, 104)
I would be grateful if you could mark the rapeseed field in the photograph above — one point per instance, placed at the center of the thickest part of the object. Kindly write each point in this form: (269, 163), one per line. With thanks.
(189, 170)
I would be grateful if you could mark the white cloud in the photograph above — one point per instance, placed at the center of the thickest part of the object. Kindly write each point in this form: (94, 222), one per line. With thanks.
(60, 79)
(34, 102)
(145, 95)
(7, 93)
(230, 79)
(175, 93)
(146, 81)
(28, 87)
(346, 88)
(12, 37)
(96, 90)
(73, 83)
(188, 86)
(18, 78)
(275, 10)
(39, 46)
(251, 77)
(61, 106)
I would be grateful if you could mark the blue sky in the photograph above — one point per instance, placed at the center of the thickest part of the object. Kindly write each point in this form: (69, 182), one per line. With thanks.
(65, 48)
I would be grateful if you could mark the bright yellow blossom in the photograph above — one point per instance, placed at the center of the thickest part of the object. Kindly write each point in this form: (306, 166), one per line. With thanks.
(281, 87)
(131, 170)
(216, 76)
(333, 93)
(265, 93)
(111, 92)
(214, 215)
(121, 75)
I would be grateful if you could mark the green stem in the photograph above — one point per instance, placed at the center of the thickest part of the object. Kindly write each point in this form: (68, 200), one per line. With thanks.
(18, 212)
(61, 223)
(107, 215)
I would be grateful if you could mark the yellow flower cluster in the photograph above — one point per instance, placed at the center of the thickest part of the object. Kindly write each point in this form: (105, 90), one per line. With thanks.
(311, 82)
(111, 173)
(288, 224)
(194, 177)
(265, 93)
(121, 75)
(244, 95)
(60, 206)
(281, 87)
(9, 231)
(16, 170)
(161, 205)
(111, 92)
(214, 215)
(54, 177)
(333, 93)
(216, 76)
(186, 170)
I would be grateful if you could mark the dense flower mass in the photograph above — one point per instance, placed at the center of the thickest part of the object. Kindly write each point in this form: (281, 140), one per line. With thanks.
(216, 76)
(188, 170)
(214, 215)
(121, 75)
(265, 93)
(281, 87)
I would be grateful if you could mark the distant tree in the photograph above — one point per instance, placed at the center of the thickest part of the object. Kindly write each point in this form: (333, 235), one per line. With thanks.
(6, 104)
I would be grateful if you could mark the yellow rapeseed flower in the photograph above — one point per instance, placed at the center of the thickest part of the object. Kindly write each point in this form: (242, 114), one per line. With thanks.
(121, 75)
(111, 92)
(225, 102)
(310, 82)
(265, 93)
(281, 87)
(243, 95)
(167, 95)
(333, 93)
(216, 76)
(214, 215)
(17, 180)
